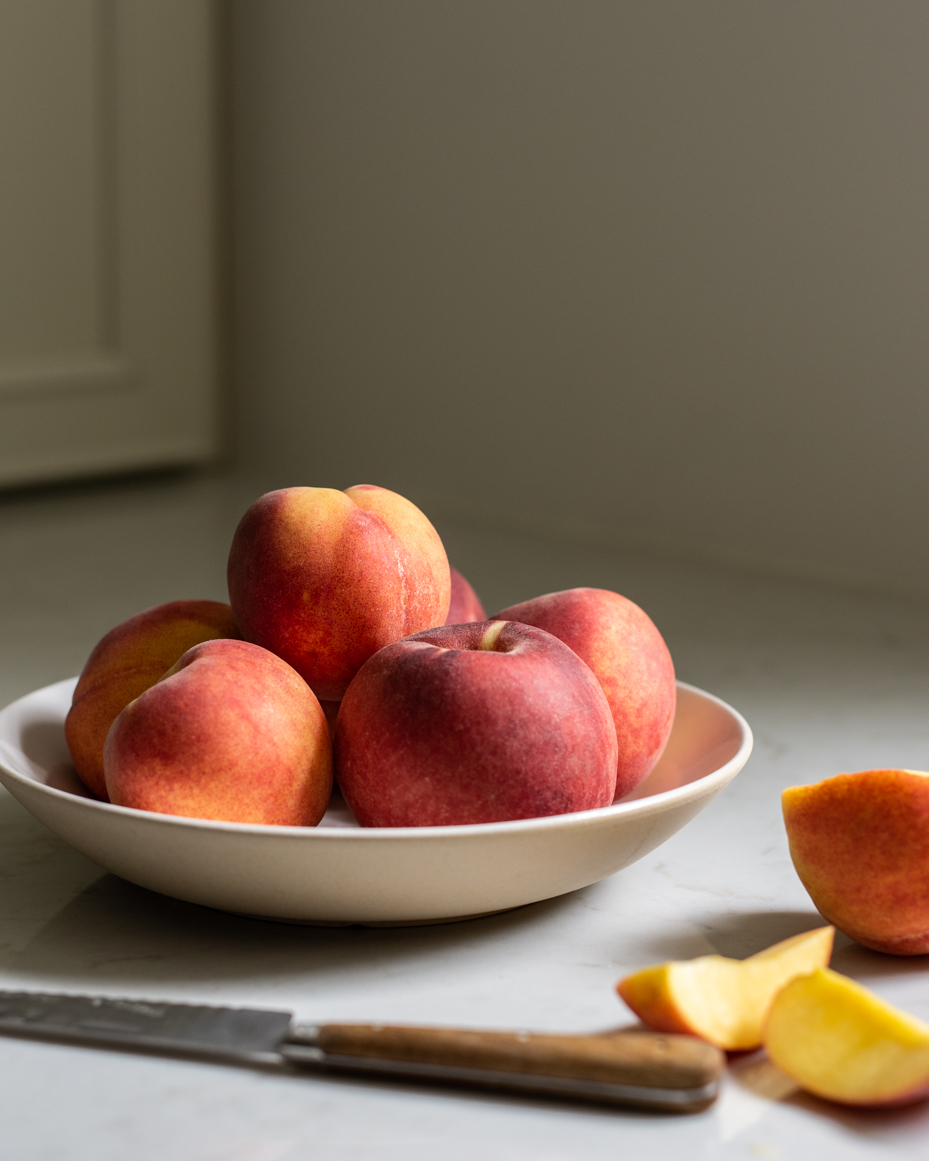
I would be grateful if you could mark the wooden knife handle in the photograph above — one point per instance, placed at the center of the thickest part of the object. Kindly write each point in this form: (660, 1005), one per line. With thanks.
(670, 1071)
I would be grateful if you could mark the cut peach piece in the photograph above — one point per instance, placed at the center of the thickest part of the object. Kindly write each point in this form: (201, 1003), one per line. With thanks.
(840, 1041)
(724, 1001)
(860, 844)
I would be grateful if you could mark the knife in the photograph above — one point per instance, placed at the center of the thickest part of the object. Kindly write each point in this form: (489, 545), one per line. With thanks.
(627, 1067)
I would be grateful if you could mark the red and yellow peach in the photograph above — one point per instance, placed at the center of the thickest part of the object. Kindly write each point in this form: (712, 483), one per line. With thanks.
(465, 604)
(473, 723)
(126, 662)
(630, 660)
(860, 844)
(230, 732)
(326, 578)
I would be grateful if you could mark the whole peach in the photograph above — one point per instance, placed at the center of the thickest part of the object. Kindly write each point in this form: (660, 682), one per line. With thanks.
(326, 578)
(630, 659)
(465, 604)
(230, 732)
(474, 723)
(128, 660)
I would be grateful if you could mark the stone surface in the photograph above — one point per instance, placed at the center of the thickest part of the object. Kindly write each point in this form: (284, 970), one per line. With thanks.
(830, 680)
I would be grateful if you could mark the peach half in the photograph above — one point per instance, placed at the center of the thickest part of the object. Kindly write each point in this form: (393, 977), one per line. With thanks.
(724, 1001)
(860, 844)
(838, 1040)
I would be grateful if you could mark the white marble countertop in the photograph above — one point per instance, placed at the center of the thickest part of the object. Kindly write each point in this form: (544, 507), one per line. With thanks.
(830, 680)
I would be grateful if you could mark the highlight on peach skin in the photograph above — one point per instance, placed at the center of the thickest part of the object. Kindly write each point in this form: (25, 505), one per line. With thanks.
(860, 844)
(724, 1001)
(326, 578)
(473, 723)
(126, 662)
(840, 1041)
(629, 658)
(232, 733)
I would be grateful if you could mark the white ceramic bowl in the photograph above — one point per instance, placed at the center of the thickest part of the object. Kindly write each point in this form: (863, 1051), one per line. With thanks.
(340, 873)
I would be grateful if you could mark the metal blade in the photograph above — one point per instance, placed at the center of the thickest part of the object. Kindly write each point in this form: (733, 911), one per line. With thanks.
(240, 1033)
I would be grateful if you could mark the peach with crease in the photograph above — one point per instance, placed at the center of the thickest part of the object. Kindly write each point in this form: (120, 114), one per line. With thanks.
(326, 578)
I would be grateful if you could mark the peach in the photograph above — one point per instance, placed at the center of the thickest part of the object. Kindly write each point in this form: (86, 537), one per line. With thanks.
(465, 604)
(474, 723)
(326, 578)
(860, 844)
(230, 732)
(838, 1040)
(128, 660)
(724, 1001)
(630, 660)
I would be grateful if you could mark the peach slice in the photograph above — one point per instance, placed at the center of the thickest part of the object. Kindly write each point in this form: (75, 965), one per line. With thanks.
(724, 1001)
(860, 844)
(838, 1040)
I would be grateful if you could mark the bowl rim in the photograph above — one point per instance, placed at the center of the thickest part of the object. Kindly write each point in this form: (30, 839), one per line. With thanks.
(659, 801)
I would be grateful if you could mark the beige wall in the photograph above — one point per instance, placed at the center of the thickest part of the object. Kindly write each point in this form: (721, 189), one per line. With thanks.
(109, 247)
(644, 271)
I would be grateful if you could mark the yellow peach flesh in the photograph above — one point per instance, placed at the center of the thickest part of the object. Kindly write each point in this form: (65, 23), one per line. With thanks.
(838, 1040)
(724, 1001)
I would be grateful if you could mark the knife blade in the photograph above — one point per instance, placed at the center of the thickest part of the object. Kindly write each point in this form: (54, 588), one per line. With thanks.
(627, 1067)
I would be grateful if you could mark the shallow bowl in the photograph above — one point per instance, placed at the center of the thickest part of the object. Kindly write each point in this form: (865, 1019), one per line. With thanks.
(340, 873)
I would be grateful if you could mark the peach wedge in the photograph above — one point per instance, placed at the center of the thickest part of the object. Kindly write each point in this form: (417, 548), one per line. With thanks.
(724, 1001)
(838, 1040)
